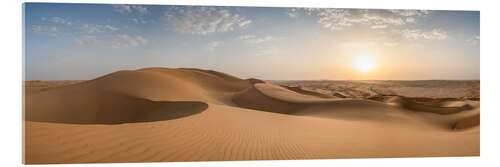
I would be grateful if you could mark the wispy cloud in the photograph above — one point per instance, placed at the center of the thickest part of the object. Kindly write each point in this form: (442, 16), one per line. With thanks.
(254, 39)
(268, 50)
(203, 20)
(47, 30)
(111, 41)
(434, 34)
(60, 21)
(141, 9)
(212, 45)
(126, 9)
(338, 19)
(377, 19)
(378, 26)
(139, 20)
(97, 28)
(407, 13)
(410, 19)
(293, 13)
(475, 40)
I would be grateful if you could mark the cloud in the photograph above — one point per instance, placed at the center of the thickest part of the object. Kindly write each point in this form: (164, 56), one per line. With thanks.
(60, 21)
(244, 23)
(112, 28)
(292, 13)
(50, 30)
(203, 20)
(139, 20)
(338, 19)
(254, 39)
(377, 19)
(126, 9)
(122, 8)
(111, 41)
(407, 13)
(268, 50)
(96, 28)
(410, 19)
(475, 40)
(434, 34)
(212, 45)
(141, 9)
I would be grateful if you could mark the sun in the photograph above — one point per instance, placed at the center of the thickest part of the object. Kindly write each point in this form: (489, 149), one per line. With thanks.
(364, 62)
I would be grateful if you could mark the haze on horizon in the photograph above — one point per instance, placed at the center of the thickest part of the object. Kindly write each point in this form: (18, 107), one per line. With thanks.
(85, 41)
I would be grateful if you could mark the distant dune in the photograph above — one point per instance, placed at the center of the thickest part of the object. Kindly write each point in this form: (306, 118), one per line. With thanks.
(163, 114)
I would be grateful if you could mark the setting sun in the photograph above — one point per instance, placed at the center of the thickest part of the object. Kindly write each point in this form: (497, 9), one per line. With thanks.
(364, 62)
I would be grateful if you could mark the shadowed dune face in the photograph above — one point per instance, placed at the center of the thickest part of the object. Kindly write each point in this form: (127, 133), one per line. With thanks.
(94, 107)
(111, 109)
(467, 123)
(161, 114)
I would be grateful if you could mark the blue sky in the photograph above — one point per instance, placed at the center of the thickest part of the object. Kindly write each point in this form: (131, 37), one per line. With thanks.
(85, 41)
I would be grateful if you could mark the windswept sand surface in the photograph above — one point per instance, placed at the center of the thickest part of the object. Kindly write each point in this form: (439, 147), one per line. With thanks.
(161, 114)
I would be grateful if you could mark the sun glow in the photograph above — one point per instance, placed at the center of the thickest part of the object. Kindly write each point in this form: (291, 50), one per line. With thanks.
(364, 62)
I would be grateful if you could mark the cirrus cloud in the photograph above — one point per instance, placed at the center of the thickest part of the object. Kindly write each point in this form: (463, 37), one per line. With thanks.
(406, 12)
(338, 19)
(96, 28)
(474, 40)
(60, 21)
(45, 30)
(203, 20)
(126, 9)
(212, 45)
(111, 41)
(254, 39)
(434, 34)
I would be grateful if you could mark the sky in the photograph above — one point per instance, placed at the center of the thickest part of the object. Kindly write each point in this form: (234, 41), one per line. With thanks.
(85, 41)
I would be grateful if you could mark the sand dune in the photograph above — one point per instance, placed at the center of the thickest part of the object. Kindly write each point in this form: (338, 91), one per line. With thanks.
(161, 114)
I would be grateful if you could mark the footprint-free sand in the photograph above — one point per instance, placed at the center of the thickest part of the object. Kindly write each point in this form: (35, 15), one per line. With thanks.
(163, 115)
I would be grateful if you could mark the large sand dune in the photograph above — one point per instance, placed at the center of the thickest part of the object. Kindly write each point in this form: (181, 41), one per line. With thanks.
(161, 114)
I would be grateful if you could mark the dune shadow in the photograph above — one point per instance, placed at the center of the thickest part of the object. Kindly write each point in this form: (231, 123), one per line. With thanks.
(172, 110)
(114, 109)
(466, 123)
(429, 105)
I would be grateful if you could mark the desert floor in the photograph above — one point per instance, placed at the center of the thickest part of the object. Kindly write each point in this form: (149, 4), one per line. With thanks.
(162, 114)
